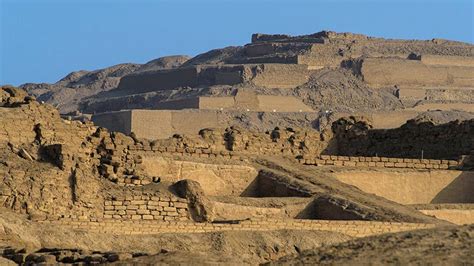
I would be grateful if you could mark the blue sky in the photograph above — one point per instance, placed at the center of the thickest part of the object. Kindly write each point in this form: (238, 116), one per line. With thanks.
(42, 41)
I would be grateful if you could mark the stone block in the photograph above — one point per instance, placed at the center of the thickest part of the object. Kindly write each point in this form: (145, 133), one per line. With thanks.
(163, 203)
(137, 202)
(147, 217)
(400, 165)
(136, 217)
(143, 212)
(349, 163)
(180, 205)
(169, 209)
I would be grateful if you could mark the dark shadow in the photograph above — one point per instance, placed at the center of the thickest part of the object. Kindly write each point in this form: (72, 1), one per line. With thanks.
(270, 184)
(73, 185)
(329, 208)
(251, 190)
(460, 190)
(52, 154)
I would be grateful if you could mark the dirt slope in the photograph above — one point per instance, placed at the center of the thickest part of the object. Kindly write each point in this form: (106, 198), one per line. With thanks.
(440, 246)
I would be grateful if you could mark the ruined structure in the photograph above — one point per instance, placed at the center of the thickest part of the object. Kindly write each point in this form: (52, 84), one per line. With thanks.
(278, 73)
(189, 170)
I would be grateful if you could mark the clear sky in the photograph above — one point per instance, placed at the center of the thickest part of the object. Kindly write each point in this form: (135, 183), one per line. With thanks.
(43, 40)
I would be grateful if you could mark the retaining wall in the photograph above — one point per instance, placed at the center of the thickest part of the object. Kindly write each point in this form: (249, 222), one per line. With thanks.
(351, 228)
(157, 124)
(413, 186)
(215, 179)
(447, 60)
(160, 80)
(452, 215)
(379, 72)
(120, 121)
(280, 75)
(383, 162)
(146, 208)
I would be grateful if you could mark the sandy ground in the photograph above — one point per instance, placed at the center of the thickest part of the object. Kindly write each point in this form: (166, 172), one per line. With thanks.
(244, 247)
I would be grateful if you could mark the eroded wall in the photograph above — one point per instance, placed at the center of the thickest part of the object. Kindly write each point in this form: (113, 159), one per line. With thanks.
(281, 75)
(379, 72)
(159, 80)
(215, 179)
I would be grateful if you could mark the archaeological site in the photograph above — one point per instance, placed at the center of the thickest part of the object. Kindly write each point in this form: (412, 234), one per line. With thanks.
(328, 148)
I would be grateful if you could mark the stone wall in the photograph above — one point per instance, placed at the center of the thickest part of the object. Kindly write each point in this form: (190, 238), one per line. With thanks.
(415, 139)
(48, 165)
(351, 228)
(382, 162)
(146, 208)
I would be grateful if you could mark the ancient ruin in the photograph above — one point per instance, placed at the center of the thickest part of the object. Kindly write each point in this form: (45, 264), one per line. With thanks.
(249, 154)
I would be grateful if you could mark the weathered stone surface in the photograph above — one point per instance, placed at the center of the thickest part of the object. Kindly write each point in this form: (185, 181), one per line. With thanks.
(201, 208)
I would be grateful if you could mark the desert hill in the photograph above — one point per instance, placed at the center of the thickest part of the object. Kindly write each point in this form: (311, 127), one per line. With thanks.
(327, 71)
(67, 93)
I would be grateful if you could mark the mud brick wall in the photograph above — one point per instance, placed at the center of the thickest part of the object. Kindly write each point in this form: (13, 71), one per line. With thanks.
(351, 228)
(382, 162)
(380, 72)
(146, 208)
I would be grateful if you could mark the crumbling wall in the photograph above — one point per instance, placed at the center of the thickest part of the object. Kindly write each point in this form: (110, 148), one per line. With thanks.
(282, 76)
(48, 165)
(415, 139)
